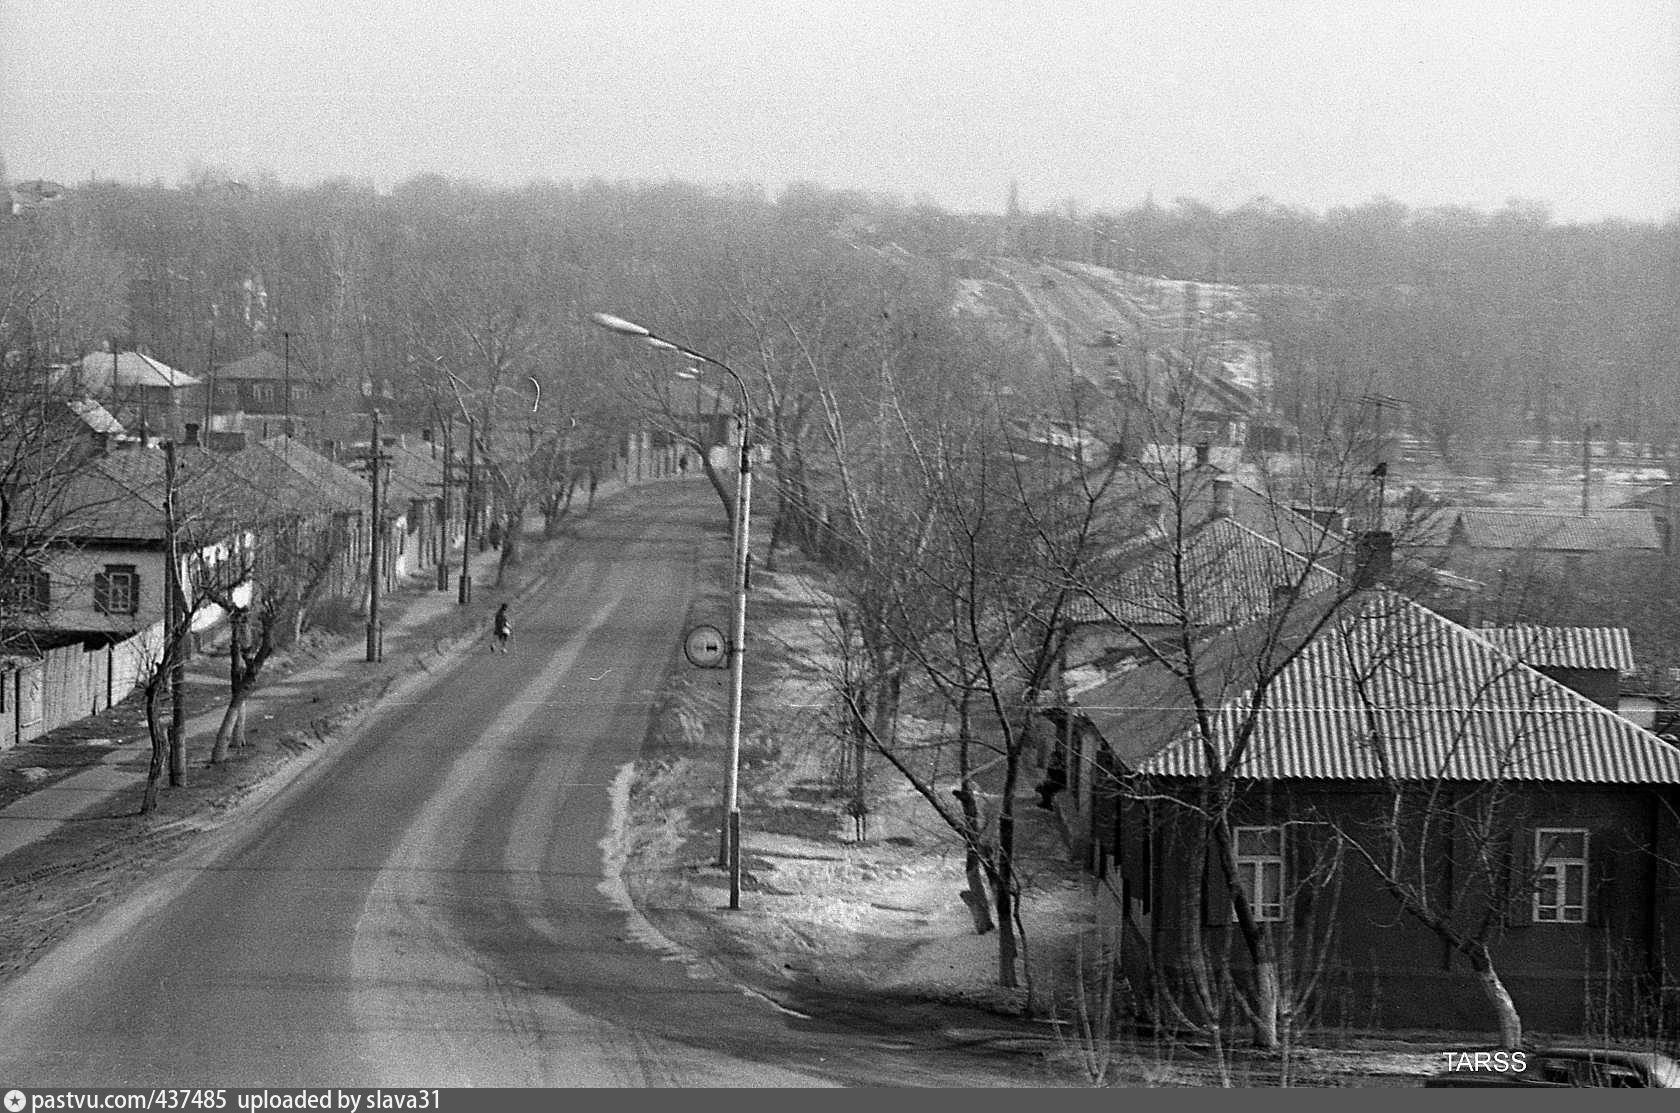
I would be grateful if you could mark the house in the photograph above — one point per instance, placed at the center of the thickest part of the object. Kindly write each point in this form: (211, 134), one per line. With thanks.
(1495, 545)
(1663, 501)
(1378, 752)
(259, 396)
(97, 538)
(411, 499)
(96, 541)
(145, 395)
(311, 506)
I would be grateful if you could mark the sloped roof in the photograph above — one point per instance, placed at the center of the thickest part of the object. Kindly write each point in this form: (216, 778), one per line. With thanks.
(119, 497)
(1565, 647)
(94, 416)
(312, 481)
(116, 498)
(1380, 687)
(411, 473)
(1544, 531)
(99, 373)
(1650, 498)
(1228, 574)
(264, 366)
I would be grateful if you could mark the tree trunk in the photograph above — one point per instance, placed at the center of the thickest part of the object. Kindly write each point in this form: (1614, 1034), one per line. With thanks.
(1510, 1024)
(160, 748)
(512, 533)
(1007, 950)
(231, 733)
(1004, 886)
(1267, 999)
(978, 899)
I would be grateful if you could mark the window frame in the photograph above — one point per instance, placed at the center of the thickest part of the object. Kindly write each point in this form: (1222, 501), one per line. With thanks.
(1252, 870)
(1550, 901)
(102, 585)
(27, 590)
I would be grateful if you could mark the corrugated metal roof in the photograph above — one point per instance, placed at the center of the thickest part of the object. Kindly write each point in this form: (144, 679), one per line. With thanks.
(1382, 687)
(1483, 528)
(1566, 647)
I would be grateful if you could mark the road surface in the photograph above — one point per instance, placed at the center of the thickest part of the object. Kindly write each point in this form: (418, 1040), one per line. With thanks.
(428, 905)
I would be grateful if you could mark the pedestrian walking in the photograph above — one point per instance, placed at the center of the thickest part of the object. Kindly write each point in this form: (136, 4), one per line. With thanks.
(501, 629)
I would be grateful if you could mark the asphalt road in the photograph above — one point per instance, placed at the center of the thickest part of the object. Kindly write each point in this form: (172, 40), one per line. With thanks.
(428, 905)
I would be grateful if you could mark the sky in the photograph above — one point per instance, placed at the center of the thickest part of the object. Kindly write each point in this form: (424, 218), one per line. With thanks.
(1320, 103)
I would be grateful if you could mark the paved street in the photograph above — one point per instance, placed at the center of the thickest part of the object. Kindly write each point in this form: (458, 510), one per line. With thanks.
(427, 906)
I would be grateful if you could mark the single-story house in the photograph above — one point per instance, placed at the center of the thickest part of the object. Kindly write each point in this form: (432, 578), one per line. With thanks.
(1386, 766)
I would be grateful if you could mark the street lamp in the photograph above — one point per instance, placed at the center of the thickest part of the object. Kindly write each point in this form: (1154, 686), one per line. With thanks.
(730, 840)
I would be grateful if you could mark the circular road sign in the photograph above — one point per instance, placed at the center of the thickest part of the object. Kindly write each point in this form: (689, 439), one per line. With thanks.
(705, 647)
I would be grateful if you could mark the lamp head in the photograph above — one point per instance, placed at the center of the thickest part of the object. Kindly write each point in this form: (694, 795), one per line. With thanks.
(619, 325)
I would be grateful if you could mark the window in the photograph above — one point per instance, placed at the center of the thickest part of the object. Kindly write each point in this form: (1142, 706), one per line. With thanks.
(26, 591)
(1260, 870)
(1560, 866)
(117, 589)
(262, 395)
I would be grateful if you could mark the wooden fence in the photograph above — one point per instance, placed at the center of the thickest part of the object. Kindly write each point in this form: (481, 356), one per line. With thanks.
(70, 683)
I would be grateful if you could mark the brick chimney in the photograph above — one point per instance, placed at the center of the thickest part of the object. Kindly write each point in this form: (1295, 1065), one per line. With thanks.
(1221, 499)
(1373, 557)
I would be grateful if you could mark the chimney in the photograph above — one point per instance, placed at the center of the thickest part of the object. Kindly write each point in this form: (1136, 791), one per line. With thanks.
(1374, 557)
(1221, 498)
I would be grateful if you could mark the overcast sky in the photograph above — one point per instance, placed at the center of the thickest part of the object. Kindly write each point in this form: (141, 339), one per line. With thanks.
(1575, 103)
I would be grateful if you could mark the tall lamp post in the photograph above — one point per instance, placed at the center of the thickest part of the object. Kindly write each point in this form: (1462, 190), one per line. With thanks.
(730, 840)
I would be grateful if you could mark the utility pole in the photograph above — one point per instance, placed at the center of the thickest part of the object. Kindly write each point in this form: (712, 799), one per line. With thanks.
(286, 385)
(175, 628)
(443, 513)
(376, 550)
(1587, 432)
(210, 379)
(465, 595)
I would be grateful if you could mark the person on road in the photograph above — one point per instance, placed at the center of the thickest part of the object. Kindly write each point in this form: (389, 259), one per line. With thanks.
(502, 629)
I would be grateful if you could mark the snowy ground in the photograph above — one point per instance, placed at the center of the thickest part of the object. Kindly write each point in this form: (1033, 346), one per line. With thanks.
(883, 917)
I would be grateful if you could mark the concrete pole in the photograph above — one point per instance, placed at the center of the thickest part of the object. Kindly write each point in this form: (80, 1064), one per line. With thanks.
(376, 550)
(443, 514)
(738, 666)
(465, 595)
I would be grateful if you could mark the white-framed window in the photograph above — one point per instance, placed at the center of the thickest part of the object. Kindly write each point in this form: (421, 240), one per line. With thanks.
(117, 589)
(1260, 870)
(1560, 868)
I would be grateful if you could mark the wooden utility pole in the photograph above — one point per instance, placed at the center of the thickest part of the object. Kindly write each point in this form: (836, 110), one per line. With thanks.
(465, 595)
(286, 385)
(1586, 468)
(376, 549)
(177, 618)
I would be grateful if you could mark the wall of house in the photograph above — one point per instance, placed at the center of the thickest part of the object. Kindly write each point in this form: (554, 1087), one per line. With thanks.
(72, 573)
(1602, 686)
(1380, 966)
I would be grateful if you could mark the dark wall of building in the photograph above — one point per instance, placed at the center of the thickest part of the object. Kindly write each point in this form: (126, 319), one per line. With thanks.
(1380, 966)
(1602, 686)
